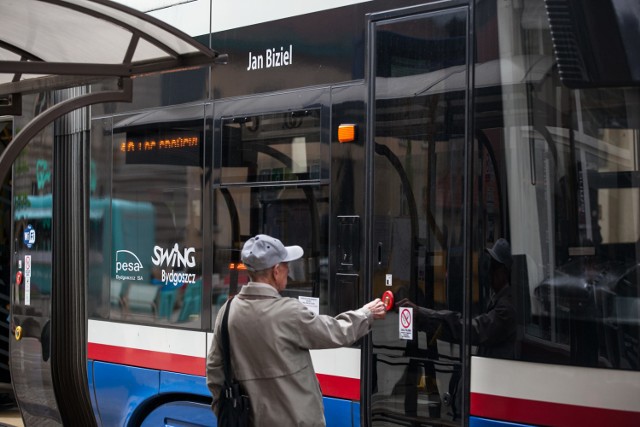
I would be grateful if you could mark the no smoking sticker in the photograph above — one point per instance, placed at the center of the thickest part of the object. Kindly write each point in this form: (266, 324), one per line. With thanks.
(405, 323)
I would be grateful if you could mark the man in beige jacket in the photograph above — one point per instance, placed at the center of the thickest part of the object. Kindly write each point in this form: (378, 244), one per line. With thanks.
(270, 338)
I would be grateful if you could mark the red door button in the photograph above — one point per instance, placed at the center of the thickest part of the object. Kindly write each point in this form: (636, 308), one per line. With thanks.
(387, 300)
(19, 277)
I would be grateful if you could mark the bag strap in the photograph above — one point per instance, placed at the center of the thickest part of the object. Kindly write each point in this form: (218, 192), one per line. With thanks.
(226, 349)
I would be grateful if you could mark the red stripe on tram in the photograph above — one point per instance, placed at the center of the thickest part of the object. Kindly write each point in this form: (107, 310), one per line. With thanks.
(147, 359)
(332, 386)
(549, 413)
(341, 387)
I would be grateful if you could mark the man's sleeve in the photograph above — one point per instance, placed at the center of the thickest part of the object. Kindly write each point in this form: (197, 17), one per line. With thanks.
(429, 320)
(493, 327)
(320, 331)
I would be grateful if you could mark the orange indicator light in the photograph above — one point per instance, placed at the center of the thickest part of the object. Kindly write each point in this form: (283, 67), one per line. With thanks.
(346, 133)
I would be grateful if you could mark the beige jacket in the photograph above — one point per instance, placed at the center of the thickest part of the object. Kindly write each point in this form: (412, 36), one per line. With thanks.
(270, 338)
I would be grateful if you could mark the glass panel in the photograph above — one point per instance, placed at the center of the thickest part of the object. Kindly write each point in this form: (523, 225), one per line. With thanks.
(156, 217)
(95, 40)
(565, 164)
(418, 211)
(272, 147)
(295, 215)
(32, 188)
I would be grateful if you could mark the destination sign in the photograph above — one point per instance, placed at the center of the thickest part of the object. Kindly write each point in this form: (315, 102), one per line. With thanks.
(167, 149)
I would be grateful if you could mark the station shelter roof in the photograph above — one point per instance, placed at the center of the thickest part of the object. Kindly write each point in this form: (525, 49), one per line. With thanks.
(50, 44)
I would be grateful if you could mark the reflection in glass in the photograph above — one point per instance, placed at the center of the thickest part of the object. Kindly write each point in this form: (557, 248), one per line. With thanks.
(297, 215)
(565, 165)
(272, 147)
(418, 211)
(153, 205)
(32, 188)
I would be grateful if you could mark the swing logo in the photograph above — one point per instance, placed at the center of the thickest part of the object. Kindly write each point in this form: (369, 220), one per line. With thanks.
(171, 258)
(127, 265)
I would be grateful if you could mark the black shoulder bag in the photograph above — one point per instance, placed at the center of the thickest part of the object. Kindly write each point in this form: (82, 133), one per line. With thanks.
(233, 403)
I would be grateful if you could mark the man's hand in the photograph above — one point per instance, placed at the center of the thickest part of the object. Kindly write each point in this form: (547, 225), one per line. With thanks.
(377, 308)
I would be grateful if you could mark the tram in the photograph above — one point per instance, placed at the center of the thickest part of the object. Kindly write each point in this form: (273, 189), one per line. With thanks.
(394, 140)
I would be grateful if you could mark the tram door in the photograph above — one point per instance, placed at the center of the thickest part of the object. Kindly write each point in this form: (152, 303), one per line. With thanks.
(418, 81)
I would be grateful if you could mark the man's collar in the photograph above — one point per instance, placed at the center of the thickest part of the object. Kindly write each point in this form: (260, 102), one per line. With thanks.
(260, 289)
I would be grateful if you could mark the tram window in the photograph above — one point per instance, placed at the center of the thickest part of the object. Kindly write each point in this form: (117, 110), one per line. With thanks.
(297, 215)
(566, 167)
(152, 197)
(272, 147)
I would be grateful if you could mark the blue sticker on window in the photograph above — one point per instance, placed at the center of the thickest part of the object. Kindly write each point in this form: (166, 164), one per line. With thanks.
(29, 236)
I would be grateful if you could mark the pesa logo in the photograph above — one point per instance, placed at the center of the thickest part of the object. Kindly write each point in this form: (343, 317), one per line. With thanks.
(127, 261)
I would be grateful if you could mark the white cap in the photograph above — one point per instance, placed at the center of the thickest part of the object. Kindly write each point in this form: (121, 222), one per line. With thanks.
(262, 252)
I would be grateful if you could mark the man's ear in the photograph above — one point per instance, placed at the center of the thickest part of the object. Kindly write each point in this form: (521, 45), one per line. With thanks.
(275, 271)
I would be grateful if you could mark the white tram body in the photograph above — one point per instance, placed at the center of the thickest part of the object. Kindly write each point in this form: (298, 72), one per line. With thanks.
(469, 125)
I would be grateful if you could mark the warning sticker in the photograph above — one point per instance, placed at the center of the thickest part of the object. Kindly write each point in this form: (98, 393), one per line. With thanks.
(311, 303)
(27, 265)
(27, 290)
(405, 323)
(27, 280)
